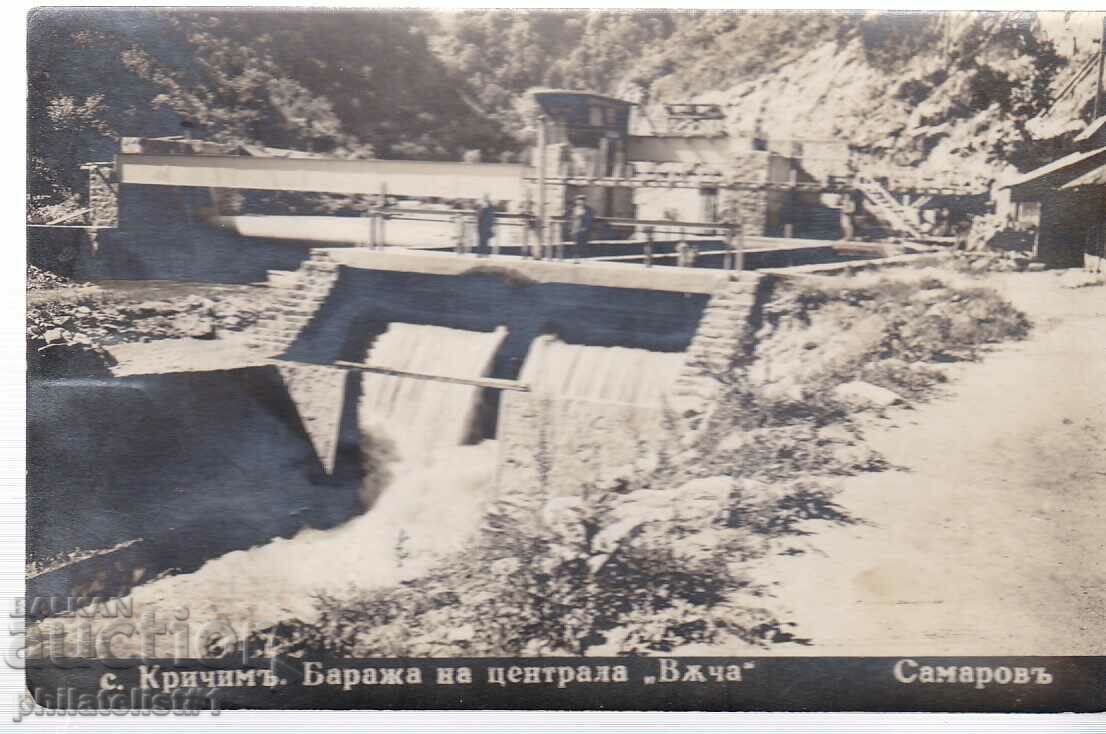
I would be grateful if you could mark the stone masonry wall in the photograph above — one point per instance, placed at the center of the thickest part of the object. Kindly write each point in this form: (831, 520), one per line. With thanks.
(303, 293)
(103, 195)
(750, 205)
(724, 338)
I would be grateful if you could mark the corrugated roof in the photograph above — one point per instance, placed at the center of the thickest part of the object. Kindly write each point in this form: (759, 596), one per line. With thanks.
(1094, 177)
(1056, 166)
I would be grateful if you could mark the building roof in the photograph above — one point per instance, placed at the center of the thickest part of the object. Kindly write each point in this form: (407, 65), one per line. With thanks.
(1057, 166)
(538, 92)
(1093, 177)
(1091, 130)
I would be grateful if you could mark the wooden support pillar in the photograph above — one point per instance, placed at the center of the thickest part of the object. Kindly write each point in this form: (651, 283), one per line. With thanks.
(1098, 81)
(541, 183)
(459, 233)
(382, 217)
(739, 262)
(735, 248)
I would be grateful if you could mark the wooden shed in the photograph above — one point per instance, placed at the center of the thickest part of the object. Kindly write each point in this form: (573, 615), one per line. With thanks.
(1066, 201)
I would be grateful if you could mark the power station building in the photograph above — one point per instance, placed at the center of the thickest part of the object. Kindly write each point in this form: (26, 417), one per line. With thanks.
(683, 167)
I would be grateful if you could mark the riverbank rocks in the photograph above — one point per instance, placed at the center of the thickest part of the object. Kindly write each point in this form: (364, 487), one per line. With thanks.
(859, 394)
(1079, 279)
(195, 327)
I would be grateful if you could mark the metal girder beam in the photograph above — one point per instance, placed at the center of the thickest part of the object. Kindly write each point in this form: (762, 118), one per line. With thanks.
(330, 175)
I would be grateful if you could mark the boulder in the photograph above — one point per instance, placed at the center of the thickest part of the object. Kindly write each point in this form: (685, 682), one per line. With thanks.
(196, 327)
(54, 336)
(865, 394)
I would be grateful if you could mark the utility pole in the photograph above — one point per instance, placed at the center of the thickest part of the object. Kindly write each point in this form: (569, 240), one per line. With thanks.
(1098, 80)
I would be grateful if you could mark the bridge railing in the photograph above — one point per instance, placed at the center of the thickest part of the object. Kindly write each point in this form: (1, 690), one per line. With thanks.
(540, 241)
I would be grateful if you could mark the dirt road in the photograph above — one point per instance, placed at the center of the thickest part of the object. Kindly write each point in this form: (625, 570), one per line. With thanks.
(993, 538)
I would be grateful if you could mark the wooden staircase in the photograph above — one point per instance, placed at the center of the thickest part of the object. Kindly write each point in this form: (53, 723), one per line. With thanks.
(887, 209)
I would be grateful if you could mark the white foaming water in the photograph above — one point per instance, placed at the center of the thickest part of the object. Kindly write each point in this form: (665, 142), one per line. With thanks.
(600, 374)
(431, 507)
(424, 415)
(435, 500)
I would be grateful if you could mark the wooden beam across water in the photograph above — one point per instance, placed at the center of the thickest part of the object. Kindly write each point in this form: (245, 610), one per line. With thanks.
(491, 382)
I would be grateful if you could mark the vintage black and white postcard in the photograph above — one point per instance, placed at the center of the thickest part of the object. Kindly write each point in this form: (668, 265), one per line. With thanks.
(584, 359)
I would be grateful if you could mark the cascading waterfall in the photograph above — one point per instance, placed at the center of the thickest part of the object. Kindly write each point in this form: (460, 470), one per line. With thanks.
(431, 506)
(435, 498)
(600, 374)
(424, 415)
(587, 393)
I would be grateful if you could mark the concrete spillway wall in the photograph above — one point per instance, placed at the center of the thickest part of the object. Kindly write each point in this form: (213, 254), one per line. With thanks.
(581, 441)
(335, 310)
(359, 301)
(184, 467)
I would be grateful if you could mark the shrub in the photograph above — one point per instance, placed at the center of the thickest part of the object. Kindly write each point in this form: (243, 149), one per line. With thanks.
(638, 571)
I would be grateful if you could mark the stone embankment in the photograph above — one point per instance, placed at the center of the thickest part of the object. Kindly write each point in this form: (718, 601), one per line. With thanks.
(302, 293)
(723, 339)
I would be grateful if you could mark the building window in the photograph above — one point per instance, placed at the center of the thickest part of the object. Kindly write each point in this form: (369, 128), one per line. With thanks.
(1028, 212)
(595, 116)
(709, 199)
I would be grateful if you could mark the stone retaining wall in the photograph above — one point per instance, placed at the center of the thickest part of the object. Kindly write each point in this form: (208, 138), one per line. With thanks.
(303, 293)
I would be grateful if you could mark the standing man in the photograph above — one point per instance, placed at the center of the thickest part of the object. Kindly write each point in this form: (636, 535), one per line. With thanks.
(485, 225)
(848, 216)
(582, 218)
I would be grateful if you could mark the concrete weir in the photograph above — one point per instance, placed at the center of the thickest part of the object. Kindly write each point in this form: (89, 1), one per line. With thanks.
(181, 468)
(341, 300)
(337, 292)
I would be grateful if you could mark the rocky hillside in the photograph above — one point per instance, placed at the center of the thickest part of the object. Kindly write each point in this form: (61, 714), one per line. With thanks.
(943, 92)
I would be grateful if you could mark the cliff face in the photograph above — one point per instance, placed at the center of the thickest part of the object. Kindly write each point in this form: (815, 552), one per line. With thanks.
(961, 92)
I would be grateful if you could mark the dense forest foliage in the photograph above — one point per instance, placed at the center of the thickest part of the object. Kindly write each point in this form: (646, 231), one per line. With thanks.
(413, 84)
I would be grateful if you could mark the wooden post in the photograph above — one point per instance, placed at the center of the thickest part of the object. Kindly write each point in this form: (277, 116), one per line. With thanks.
(1098, 81)
(382, 238)
(541, 184)
(730, 257)
(739, 260)
(649, 246)
(459, 233)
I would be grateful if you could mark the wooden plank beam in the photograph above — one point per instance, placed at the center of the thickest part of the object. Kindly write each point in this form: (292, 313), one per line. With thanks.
(473, 381)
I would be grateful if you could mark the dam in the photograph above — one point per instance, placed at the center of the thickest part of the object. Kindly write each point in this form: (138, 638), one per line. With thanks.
(400, 382)
(391, 395)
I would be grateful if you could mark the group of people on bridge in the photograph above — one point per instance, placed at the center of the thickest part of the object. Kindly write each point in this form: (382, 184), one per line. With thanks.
(581, 220)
